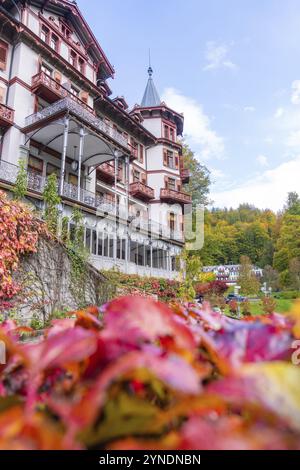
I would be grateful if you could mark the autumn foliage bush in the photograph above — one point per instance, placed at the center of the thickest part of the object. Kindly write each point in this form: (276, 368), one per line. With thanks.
(139, 374)
(163, 289)
(211, 288)
(19, 232)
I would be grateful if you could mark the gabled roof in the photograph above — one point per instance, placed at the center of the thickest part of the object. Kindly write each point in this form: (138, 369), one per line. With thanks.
(151, 97)
(72, 13)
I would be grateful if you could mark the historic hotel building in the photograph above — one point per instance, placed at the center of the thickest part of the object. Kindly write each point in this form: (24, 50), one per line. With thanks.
(122, 167)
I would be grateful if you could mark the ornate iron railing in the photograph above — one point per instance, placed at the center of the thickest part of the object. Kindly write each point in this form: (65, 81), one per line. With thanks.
(69, 105)
(36, 182)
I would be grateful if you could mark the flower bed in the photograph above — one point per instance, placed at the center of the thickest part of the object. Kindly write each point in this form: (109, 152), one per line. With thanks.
(139, 374)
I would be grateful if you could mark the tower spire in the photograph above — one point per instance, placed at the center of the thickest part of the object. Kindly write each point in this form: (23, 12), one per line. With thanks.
(151, 97)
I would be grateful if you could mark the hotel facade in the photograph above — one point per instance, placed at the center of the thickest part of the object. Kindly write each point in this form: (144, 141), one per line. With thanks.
(123, 167)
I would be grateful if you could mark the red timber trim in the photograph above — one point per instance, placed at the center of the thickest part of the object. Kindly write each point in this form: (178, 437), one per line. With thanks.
(4, 81)
(157, 108)
(164, 171)
(170, 143)
(17, 80)
(170, 125)
(93, 41)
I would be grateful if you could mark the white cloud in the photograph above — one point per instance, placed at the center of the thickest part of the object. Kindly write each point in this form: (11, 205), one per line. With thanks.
(262, 160)
(295, 98)
(249, 109)
(197, 125)
(216, 173)
(294, 139)
(278, 113)
(216, 56)
(269, 190)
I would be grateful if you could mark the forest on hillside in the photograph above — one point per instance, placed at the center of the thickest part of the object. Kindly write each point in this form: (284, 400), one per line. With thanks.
(270, 240)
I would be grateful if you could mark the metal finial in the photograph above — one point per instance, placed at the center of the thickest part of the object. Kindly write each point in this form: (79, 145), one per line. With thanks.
(150, 70)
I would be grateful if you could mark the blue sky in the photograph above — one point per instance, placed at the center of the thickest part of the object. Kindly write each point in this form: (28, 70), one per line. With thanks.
(232, 67)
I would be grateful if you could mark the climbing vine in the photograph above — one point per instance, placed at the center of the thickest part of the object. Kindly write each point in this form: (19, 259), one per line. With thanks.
(52, 201)
(21, 183)
(78, 255)
(19, 232)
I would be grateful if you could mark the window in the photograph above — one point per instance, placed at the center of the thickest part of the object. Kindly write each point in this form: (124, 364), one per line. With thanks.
(35, 164)
(170, 159)
(172, 221)
(73, 58)
(47, 70)
(45, 34)
(3, 55)
(81, 65)
(136, 176)
(141, 154)
(52, 169)
(172, 134)
(74, 91)
(171, 183)
(166, 131)
(54, 42)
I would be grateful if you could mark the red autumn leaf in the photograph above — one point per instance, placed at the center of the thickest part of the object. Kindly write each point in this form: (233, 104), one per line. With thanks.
(137, 320)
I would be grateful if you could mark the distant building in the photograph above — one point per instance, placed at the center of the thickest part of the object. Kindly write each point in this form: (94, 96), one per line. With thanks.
(229, 273)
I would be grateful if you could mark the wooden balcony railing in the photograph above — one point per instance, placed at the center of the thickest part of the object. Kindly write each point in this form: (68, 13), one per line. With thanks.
(173, 196)
(141, 191)
(106, 172)
(6, 116)
(45, 85)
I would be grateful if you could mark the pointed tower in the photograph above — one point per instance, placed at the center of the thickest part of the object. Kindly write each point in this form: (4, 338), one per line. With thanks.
(151, 97)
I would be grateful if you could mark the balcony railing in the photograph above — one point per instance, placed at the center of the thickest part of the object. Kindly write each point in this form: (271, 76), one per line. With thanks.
(36, 183)
(6, 116)
(43, 81)
(106, 172)
(171, 195)
(141, 191)
(70, 105)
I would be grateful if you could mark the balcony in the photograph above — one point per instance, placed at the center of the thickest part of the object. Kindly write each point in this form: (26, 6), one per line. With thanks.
(172, 196)
(45, 86)
(141, 191)
(36, 184)
(106, 172)
(185, 175)
(6, 116)
(81, 111)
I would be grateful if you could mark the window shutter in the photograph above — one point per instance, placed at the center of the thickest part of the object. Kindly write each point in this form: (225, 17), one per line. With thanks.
(3, 55)
(57, 76)
(166, 182)
(141, 153)
(2, 91)
(179, 187)
(176, 162)
(165, 157)
(84, 96)
(144, 178)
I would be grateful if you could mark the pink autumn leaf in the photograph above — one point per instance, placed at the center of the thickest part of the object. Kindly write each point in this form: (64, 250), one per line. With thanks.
(72, 345)
(138, 320)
